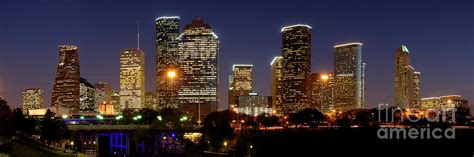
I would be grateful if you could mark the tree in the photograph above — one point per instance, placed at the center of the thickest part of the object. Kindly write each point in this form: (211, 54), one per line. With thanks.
(345, 121)
(308, 116)
(5, 118)
(364, 119)
(267, 120)
(461, 115)
(52, 129)
(216, 128)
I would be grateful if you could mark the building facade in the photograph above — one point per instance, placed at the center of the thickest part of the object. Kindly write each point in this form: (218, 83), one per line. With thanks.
(296, 41)
(322, 92)
(132, 79)
(349, 77)
(240, 83)
(116, 101)
(407, 80)
(103, 94)
(444, 102)
(254, 105)
(167, 33)
(66, 88)
(32, 99)
(277, 84)
(198, 53)
(87, 96)
(151, 100)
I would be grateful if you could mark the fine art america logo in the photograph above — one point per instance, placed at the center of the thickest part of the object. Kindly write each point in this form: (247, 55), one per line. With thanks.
(392, 116)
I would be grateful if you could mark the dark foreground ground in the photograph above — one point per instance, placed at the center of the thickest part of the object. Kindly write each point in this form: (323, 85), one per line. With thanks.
(355, 142)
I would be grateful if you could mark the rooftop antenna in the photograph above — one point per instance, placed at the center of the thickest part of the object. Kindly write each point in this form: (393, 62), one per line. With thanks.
(138, 35)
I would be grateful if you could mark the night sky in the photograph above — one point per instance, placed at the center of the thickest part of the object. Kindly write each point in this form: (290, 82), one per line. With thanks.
(438, 33)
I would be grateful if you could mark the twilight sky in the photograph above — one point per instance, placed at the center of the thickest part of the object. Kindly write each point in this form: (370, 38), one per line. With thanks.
(438, 33)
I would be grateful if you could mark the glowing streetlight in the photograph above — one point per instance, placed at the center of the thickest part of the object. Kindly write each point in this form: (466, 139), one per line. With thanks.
(324, 77)
(171, 74)
(64, 116)
(225, 143)
(159, 118)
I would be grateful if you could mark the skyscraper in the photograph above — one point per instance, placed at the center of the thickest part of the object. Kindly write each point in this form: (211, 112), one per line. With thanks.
(132, 79)
(103, 94)
(86, 96)
(349, 76)
(407, 80)
(277, 84)
(32, 99)
(322, 92)
(167, 33)
(116, 101)
(65, 93)
(151, 100)
(198, 55)
(296, 41)
(240, 83)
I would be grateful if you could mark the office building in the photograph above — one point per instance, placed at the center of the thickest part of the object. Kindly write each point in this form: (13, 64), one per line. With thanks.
(254, 105)
(240, 83)
(407, 81)
(65, 94)
(167, 33)
(296, 41)
(32, 99)
(349, 77)
(198, 51)
(87, 96)
(132, 79)
(277, 84)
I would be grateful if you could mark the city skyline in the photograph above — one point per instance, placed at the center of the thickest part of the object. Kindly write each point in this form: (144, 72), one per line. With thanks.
(262, 85)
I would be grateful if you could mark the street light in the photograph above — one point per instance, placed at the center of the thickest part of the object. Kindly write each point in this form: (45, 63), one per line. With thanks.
(171, 74)
(64, 116)
(159, 118)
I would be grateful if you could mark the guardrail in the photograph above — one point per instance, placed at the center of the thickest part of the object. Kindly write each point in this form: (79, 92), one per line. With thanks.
(106, 127)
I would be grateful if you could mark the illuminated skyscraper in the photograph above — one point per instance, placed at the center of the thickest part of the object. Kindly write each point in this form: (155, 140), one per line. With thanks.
(198, 64)
(167, 33)
(322, 92)
(277, 84)
(32, 99)
(65, 93)
(349, 76)
(240, 83)
(407, 80)
(296, 40)
(87, 96)
(132, 79)
(103, 94)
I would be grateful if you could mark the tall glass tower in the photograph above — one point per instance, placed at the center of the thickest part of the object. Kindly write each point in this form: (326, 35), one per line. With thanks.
(349, 76)
(198, 57)
(167, 33)
(132, 79)
(296, 41)
(65, 93)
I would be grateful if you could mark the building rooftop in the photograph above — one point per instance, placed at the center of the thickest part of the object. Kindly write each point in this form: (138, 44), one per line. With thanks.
(348, 44)
(198, 22)
(297, 25)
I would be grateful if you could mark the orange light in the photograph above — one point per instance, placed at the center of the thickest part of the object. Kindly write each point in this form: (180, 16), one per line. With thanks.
(171, 74)
(324, 77)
